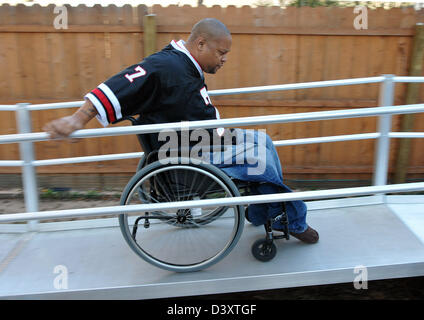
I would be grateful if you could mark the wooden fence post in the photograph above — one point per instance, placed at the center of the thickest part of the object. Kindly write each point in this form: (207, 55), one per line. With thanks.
(412, 96)
(149, 27)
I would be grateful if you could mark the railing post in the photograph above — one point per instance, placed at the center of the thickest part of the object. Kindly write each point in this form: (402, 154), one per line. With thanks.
(382, 150)
(29, 178)
(412, 96)
(149, 30)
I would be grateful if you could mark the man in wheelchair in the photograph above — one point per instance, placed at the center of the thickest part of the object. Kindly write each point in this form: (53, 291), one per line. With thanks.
(169, 86)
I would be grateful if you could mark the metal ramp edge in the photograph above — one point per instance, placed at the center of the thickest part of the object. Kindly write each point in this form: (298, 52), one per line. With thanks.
(101, 266)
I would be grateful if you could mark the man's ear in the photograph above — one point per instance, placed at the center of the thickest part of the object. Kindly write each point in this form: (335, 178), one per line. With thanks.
(201, 43)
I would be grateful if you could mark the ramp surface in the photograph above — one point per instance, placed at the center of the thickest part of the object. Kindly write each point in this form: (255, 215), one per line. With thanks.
(100, 265)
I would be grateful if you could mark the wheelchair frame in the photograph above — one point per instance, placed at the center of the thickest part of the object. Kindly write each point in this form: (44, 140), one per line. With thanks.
(150, 169)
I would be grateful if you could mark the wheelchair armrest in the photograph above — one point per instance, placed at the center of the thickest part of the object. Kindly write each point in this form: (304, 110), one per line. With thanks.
(129, 118)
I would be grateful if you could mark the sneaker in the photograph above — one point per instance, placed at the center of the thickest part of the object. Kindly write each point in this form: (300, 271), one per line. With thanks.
(308, 236)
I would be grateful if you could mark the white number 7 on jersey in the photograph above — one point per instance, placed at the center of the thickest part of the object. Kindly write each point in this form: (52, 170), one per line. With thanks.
(140, 72)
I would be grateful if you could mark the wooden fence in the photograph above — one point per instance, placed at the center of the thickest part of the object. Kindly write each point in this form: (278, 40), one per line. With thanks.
(42, 64)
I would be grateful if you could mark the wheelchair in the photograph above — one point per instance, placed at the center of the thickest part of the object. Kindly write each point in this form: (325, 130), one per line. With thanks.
(187, 239)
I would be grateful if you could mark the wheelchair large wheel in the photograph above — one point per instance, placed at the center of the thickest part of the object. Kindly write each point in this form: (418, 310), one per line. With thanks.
(141, 163)
(182, 239)
(198, 219)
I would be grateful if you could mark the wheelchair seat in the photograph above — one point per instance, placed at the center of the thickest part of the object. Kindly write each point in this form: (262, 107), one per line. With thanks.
(151, 155)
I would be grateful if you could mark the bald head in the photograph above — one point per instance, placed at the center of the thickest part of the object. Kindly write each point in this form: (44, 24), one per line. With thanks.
(209, 29)
(209, 43)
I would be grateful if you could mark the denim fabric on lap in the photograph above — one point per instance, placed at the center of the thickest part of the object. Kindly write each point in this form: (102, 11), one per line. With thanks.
(262, 164)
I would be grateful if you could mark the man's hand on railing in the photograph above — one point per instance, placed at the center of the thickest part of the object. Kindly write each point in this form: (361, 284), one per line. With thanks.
(62, 128)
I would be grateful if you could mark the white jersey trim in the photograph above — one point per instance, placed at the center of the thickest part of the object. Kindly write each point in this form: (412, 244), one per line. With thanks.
(181, 47)
(115, 102)
(101, 114)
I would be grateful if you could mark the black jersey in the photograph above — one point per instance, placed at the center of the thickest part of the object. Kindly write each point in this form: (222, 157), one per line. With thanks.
(167, 86)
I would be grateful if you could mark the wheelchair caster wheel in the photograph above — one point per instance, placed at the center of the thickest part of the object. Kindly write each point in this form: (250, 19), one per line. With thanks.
(263, 250)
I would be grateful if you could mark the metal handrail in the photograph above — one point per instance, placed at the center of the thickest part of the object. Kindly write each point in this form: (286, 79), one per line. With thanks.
(256, 89)
(297, 86)
(408, 79)
(229, 122)
(241, 200)
(277, 143)
(384, 112)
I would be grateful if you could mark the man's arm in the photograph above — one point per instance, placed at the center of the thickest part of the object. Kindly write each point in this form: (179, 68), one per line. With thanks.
(126, 93)
(63, 127)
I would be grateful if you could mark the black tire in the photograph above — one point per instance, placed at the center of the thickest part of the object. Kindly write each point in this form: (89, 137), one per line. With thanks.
(232, 227)
(264, 250)
(141, 163)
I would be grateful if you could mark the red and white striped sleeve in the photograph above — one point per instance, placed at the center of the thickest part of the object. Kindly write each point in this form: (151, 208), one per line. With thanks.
(106, 103)
(126, 93)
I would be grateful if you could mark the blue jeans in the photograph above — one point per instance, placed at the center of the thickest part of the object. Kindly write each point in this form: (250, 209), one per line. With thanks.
(271, 173)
